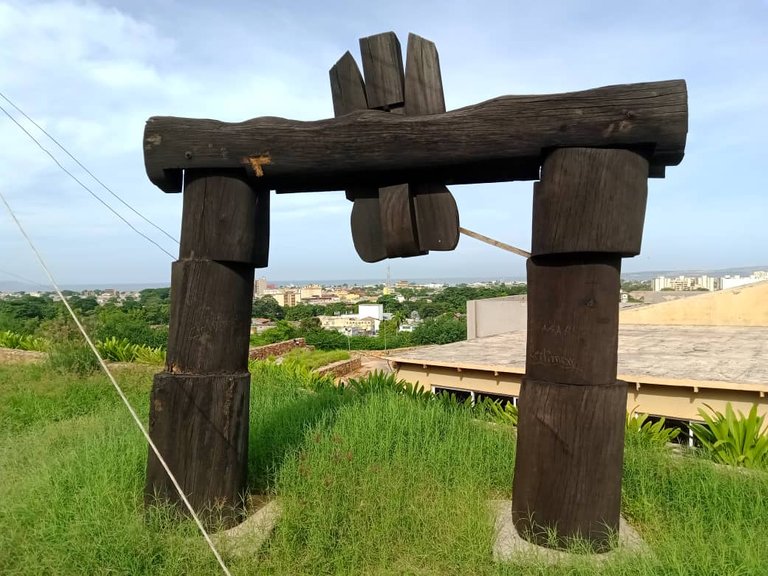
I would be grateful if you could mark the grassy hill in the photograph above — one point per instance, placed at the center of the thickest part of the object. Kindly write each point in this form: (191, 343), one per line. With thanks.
(370, 483)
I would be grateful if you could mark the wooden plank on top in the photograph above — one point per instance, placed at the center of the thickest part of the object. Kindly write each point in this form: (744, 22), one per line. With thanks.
(347, 86)
(383, 69)
(423, 82)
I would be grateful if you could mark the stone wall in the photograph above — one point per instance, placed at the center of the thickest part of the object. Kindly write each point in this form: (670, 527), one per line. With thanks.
(276, 349)
(341, 368)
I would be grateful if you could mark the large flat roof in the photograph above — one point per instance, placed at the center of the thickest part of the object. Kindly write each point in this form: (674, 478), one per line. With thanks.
(701, 355)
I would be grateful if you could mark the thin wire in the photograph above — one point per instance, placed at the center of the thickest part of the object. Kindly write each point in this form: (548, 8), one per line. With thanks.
(91, 192)
(91, 174)
(119, 390)
(27, 280)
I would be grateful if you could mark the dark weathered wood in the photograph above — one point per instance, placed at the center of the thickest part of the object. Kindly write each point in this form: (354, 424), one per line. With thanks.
(502, 139)
(384, 85)
(200, 425)
(398, 222)
(365, 222)
(210, 317)
(224, 218)
(347, 86)
(592, 200)
(573, 318)
(423, 81)
(568, 463)
(437, 216)
(383, 69)
(571, 426)
(348, 93)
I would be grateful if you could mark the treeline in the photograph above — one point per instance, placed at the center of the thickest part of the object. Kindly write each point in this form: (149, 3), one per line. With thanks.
(439, 330)
(142, 321)
(450, 300)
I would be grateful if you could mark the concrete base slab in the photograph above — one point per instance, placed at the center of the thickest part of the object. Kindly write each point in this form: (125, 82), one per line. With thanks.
(509, 546)
(248, 536)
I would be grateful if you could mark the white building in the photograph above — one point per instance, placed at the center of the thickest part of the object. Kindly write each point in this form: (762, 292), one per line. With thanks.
(735, 281)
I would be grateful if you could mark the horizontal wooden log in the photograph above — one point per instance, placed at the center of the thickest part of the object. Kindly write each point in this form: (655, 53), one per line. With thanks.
(224, 218)
(200, 425)
(573, 318)
(590, 200)
(210, 317)
(498, 140)
(568, 465)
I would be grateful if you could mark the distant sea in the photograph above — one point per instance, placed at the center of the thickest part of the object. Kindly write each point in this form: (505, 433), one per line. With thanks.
(16, 286)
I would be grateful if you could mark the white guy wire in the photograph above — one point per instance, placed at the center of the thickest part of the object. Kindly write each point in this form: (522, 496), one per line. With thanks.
(91, 174)
(82, 185)
(119, 390)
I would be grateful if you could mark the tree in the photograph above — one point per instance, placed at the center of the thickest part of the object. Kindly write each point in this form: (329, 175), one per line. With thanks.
(441, 330)
(267, 307)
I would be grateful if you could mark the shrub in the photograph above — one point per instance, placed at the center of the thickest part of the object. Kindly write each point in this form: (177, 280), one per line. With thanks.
(9, 339)
(501, 412)
(733, 438)
(117, 349)
(71, 356)
(650, 432)
(149, 355)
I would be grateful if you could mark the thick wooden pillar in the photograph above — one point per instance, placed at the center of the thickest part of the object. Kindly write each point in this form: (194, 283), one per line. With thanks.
(588, 212)
(199, 406)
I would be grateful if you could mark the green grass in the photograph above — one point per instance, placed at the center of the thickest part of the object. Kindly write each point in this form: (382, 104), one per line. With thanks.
(313, 359)
(371, 484)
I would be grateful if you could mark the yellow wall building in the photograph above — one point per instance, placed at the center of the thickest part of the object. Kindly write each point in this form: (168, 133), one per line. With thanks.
(743, 306)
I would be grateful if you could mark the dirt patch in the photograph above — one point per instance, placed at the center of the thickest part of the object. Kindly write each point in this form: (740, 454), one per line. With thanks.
(13, 356)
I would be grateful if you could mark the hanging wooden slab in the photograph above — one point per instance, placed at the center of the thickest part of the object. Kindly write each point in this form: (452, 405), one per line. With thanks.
(385, 89)
(437, 216)
(348, 93)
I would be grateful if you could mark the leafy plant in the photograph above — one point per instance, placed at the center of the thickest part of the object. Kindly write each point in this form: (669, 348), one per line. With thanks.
(117, 349)
(499, 411)
(9, 339)
(733, 438)
(380, 381)
(649, 431)
(149, 355)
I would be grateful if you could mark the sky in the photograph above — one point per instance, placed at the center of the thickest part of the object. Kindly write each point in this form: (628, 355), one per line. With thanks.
(91, 73)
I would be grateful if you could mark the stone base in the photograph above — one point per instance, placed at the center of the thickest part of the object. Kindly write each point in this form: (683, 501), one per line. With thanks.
(248, 536)
(509, 546)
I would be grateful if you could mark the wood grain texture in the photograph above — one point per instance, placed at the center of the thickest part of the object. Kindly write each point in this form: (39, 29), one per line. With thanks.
(348, 94)
(499, 140)
(573, 318)
(423, 81)
(398, 222)
(383, 68)
(568, 462)
(200, 425)
(436, 213)
(224, 218)
(437, 216)
(210, 317)
(365, 223)
(590, 200)
(347, 86)
(384, 84)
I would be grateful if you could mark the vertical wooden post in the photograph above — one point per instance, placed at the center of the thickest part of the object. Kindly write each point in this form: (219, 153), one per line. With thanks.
(588, 212)
(199, 406)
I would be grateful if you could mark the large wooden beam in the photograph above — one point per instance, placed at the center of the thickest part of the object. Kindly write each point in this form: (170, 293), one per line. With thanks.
(498, 140)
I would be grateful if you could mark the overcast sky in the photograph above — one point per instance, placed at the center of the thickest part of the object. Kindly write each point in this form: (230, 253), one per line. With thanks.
(91, 73)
